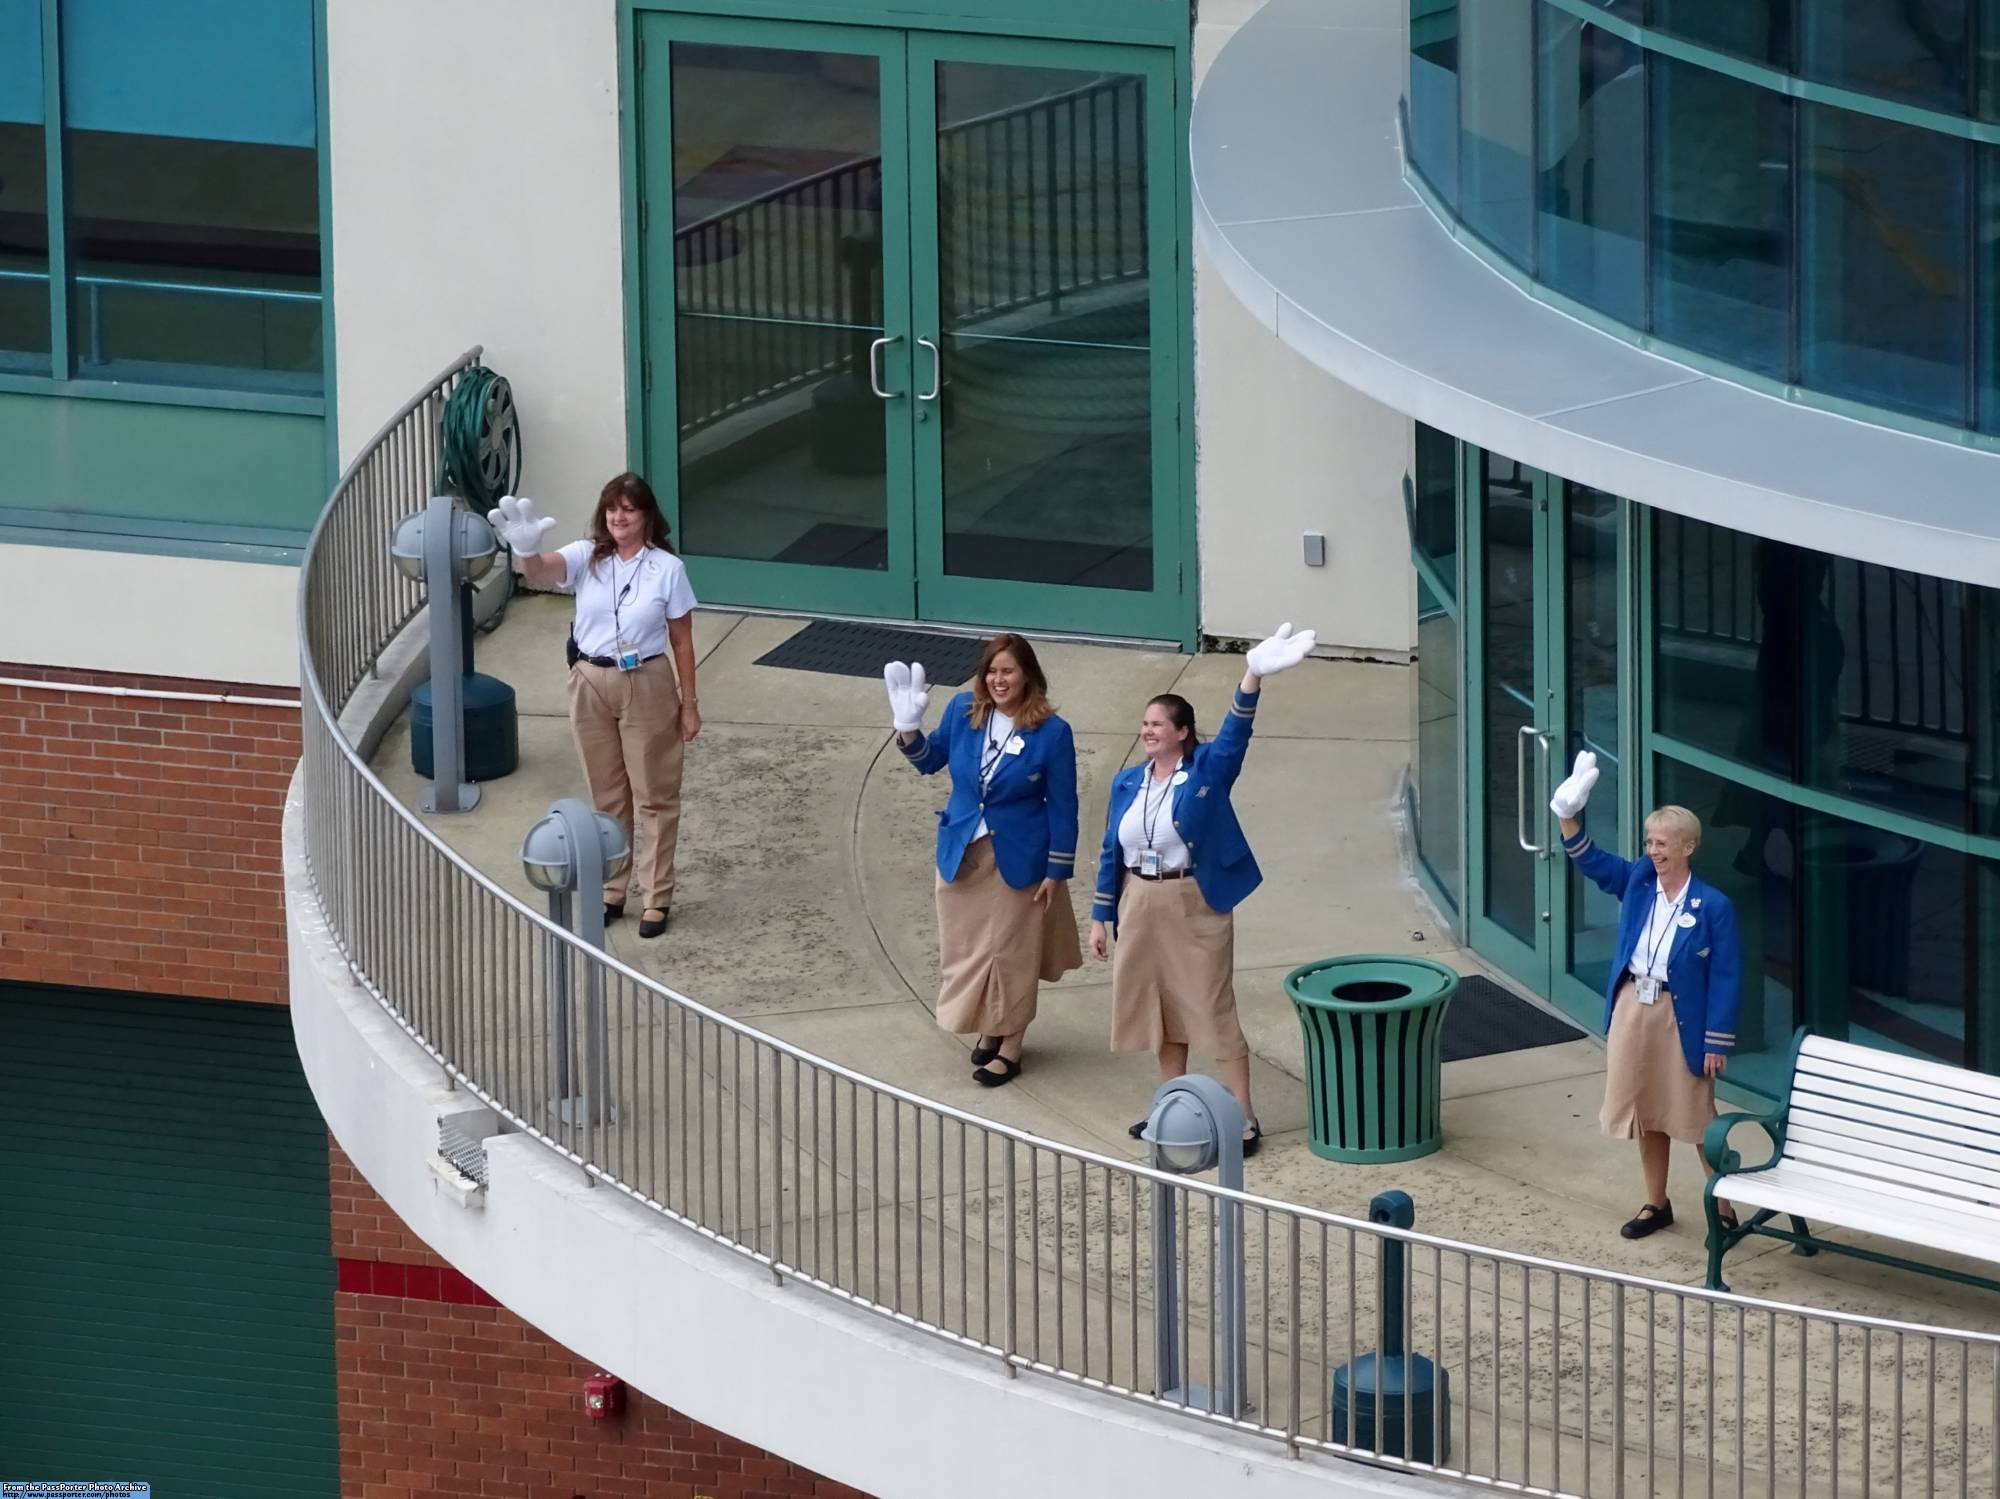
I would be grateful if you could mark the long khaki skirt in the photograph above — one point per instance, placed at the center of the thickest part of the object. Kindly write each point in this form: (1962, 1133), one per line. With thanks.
(1173, 972)
(997, 947)
(1647, 1085)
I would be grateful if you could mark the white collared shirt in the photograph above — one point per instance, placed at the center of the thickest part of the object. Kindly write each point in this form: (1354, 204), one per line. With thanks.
(995, 737)
(1152, 812)
(1656, 938)
(634, 599)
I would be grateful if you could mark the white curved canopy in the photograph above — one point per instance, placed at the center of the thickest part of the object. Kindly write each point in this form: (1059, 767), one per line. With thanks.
(1300, 200)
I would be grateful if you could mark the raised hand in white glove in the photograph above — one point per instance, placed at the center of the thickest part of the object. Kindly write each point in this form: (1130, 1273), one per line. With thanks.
(909, 695)
(1574, 793)
(1281, 651)
(516, 523)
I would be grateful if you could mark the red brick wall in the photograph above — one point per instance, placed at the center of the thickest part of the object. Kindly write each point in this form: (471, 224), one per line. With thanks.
(139, 836)
(444, 1393)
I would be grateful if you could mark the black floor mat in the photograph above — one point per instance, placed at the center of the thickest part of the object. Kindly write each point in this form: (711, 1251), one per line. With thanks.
(843, 648)
(1485, 1020)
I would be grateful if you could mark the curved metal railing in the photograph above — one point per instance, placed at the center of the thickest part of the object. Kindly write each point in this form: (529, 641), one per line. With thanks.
(1563, 1379)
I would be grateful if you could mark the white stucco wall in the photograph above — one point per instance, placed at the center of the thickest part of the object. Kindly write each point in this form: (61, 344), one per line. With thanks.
(173, 616)
(1283, 449)
(475, 181)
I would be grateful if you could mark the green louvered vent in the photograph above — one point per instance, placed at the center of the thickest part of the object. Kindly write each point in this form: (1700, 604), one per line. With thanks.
(166, 1282)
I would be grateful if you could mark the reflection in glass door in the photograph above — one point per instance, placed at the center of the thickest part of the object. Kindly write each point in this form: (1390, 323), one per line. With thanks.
(1042, 290)
(790, 289)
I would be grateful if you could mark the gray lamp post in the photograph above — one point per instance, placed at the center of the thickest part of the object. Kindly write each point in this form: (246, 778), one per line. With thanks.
(576, 849)
(1197, 1125)
(443, 546)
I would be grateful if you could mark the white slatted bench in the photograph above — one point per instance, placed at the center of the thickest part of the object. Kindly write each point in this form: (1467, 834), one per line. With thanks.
(1868, 1140)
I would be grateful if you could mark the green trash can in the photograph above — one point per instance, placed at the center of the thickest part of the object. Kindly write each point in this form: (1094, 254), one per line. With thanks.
(1374, 1035)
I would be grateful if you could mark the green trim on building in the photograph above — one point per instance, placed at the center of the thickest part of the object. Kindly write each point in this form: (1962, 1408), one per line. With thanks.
(86, 464)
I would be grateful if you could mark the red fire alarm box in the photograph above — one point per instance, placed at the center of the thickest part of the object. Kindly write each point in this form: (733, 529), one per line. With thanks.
(604, 1396)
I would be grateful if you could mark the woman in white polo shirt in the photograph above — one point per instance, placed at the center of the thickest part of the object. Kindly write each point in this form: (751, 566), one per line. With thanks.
(631, 712)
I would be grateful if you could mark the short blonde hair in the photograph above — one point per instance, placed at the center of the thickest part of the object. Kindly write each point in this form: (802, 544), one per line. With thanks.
(1678, 823)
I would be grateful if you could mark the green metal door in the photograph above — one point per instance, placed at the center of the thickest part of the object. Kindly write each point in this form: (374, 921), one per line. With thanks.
(1046, 424)
(1548, 645)
(774, 228)
(911, 320)
(167, 1311)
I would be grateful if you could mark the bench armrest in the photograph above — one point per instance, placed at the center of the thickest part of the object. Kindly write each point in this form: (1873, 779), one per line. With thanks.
(1715, 1141)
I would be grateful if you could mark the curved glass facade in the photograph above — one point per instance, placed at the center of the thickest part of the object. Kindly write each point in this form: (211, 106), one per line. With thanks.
(1807, 190)
(1835, 725)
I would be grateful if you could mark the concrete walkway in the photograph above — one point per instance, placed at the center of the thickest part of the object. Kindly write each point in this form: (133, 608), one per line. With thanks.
(804, 905)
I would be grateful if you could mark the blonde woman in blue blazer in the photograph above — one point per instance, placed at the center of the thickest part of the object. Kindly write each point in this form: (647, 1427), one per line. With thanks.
(1173, 869)
(1006, 845)
(1670, 1004)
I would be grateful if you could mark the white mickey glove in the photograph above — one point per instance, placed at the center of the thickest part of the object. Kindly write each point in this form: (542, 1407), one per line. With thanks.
(909, 695)
(1574, 793)
(516, 523)
(1281, 651)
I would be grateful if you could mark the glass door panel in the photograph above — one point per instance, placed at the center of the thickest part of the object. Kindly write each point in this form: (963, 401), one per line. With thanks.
(1592, 633)
(1045, 429)
(788, 427)
(1513, 743)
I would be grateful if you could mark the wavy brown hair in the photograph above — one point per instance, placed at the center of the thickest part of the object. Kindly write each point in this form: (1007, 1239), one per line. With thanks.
(637, 493)
(1035, 705)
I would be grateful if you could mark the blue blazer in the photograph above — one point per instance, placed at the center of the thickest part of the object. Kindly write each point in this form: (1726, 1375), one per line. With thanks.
(1030, 800)
(1224, 869)
(1704, 963)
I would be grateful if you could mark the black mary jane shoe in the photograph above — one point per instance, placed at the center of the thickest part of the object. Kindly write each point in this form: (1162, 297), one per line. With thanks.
(1254, 1141)
(614, 912)
(982, 1053)
(653, 927)
(1650, 1219)
(990, 1079)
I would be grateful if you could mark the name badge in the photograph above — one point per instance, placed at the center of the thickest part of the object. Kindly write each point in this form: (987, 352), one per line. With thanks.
(1015, 745)
(1685, 921)
(1149, 862)
(628, 660)
(1649, 990)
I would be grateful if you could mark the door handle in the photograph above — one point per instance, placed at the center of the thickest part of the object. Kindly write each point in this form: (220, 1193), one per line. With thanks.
(1521, 738)
(875, 364)
(937, 369)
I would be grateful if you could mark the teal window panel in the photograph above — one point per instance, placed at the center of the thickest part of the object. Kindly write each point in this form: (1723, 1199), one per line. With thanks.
(24, 192)
(155, 468)
(218, 70)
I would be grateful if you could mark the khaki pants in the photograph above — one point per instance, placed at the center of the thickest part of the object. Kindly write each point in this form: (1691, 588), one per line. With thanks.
(628, 731)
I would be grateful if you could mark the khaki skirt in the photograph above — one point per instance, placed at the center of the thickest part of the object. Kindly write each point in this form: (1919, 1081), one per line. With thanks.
(997, 947)
(1173, 972)
(1647, 1085)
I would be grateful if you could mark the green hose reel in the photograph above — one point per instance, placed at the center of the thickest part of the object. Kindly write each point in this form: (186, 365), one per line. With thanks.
(479, 457)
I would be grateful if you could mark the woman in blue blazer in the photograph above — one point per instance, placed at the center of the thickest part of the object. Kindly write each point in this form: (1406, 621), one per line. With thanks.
(1006, 845)
(1670, 1004)
(1174, 866)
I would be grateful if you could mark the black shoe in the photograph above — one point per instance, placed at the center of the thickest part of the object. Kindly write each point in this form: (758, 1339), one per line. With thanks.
(1650, 1219)
(1138, 1131)
(982, 1053)
(614, 912)
(653, 927)
(1254, 1141)
(990, 1079)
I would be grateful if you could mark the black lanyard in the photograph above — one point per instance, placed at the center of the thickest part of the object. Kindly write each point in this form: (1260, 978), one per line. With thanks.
(1661, 940)
(990, 749)
(1149, 810)
(618, 599)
